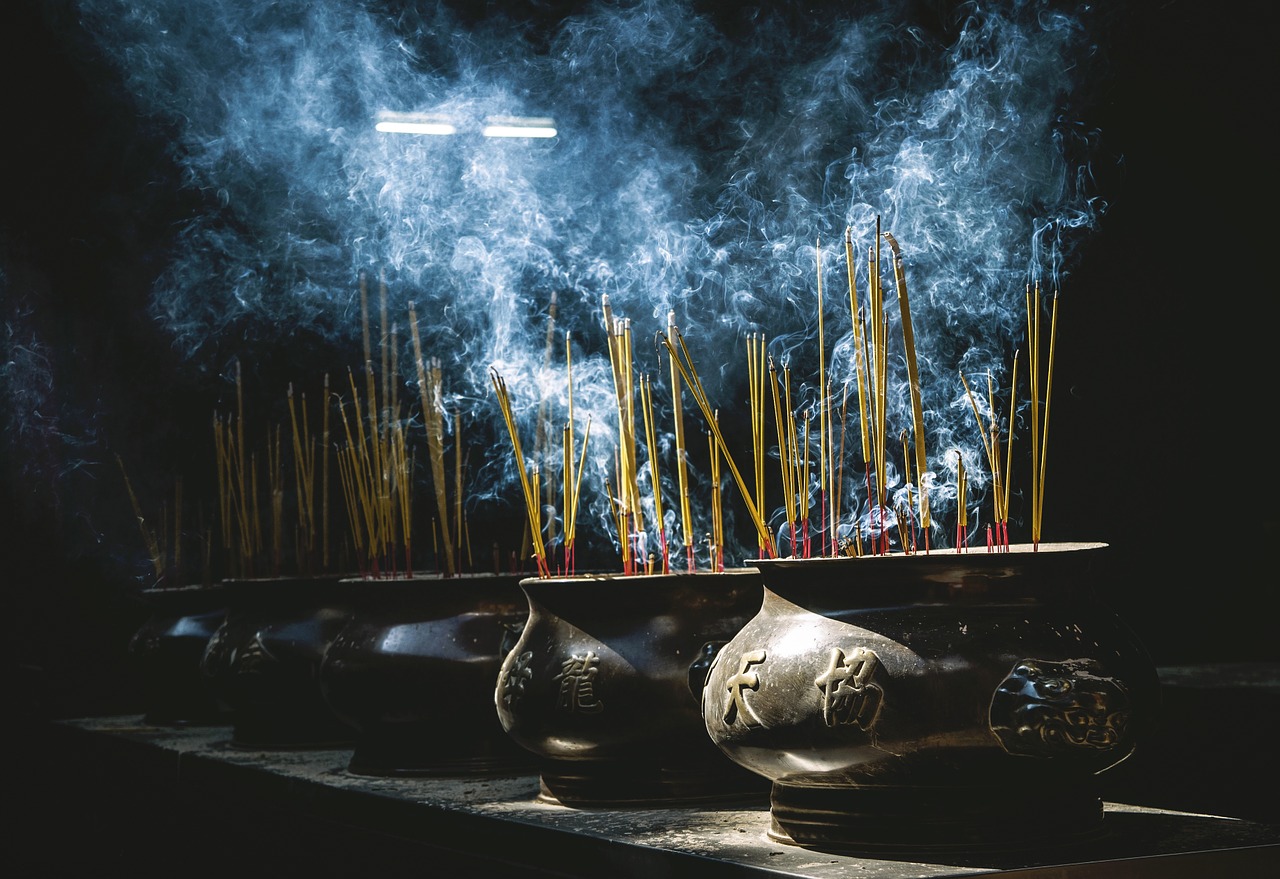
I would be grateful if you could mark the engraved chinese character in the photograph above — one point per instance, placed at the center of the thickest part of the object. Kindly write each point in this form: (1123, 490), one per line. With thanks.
(577, 681)
(848, 695)
(736, 705)
(513, 685)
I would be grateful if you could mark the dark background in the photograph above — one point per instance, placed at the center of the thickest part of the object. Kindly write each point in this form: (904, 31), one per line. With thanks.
(1165, 424)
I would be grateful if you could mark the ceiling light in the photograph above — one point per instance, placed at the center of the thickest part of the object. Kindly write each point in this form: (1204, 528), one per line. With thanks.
(519, 126)
(414, 123)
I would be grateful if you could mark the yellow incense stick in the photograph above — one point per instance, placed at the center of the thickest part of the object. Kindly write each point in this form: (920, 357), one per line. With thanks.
(646, 406)
(682, 457)
(1008, 467)
(913, 375)
(824, 449)
(755, 376)
(148, 536)
(860, 362)
(784, 449)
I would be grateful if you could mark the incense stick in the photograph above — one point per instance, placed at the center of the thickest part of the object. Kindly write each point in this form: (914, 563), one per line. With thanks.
(823, 445)
(148, 536)
(682, 455)
(913, 376)
(646, 405)
(756, 379)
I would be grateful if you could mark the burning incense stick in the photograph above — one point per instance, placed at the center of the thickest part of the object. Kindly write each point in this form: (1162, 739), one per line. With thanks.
(646, 406)
(434, 418)
(906, 479)
(388, 387)
(999, 480)
(859, 347)
(793, 456)
(1039, 432)
(303, 474)
(991, 447)
(717, 504)
(913, 376)
(257, 514)
(324, 484)
(246, 534)
(542, 426)
(275, 481)
(784, 453)
(459, 465)
(682, 455)
(1007, 475)
(177, 524)
(804, 486)
(568, 455)
(148, 535)
(824, 449)
(353, 472)
(756, 380)
(577, 486)
(402, 470)
(838, 504)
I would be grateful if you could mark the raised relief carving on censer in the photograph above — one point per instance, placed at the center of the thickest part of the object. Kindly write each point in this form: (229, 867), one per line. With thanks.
(1044, 708)
(577, 684)
(517, 679)
(736, 706)
(849, 696)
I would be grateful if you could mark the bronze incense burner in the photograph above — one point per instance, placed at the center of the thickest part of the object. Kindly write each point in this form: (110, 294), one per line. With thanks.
(167, 650)
(604, 685)
(930, 702)
(413, 673)
(264, 661)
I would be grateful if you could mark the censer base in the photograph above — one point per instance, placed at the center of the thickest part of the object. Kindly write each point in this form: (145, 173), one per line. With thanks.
(601, 784)
(919, 820)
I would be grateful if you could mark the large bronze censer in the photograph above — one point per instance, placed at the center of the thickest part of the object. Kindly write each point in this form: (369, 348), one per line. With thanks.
(413, 672)
(605, 682)
(167, 651)
(935, 701)
(264, 661)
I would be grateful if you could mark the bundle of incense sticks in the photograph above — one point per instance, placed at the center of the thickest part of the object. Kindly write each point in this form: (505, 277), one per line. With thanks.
(1000, 470)
(377, 478)
(529, 482)
(628, 511)
(375, 467)
(676, 348)
(870, 362)
(429, 388)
